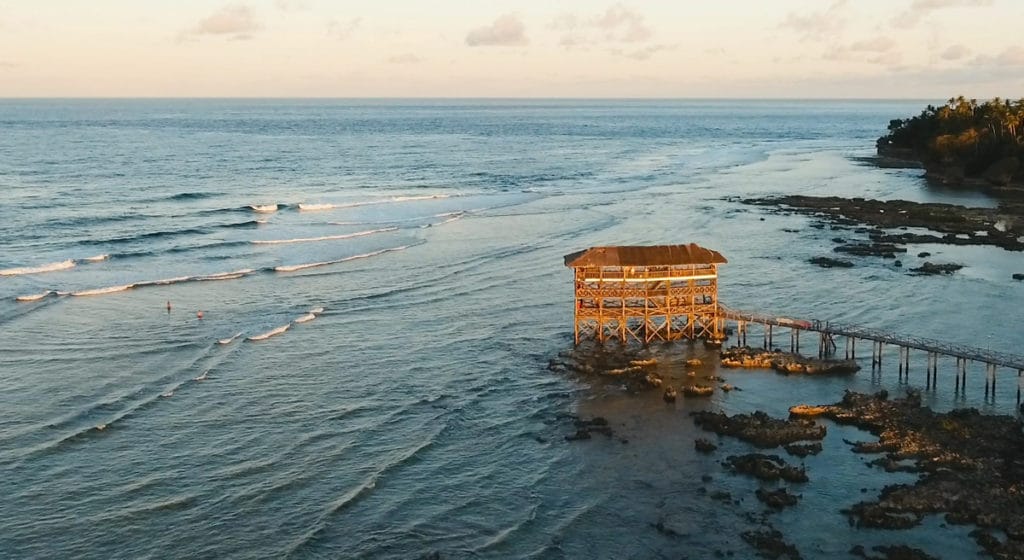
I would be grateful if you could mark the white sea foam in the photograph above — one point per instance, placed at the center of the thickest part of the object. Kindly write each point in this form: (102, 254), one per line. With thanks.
(420, 197)
(101, 291)
(295, 267)
(387, 200)
(315, 207)
(225, 275)
(52, 267)
(269, 334)
(305, 318)
(202, 377)
(97, 258)
(323, 238)
(35, 297)
(317, 310)
(450, 217)
(224, 341)
(263, 208)
(164, 281)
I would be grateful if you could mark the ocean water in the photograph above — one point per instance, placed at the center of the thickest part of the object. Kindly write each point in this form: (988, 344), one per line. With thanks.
(382, 289)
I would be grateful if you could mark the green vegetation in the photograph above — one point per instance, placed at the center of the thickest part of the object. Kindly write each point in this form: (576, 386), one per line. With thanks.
(963, 140)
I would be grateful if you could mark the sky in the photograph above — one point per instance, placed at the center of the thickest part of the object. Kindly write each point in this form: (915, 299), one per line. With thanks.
(921, 49)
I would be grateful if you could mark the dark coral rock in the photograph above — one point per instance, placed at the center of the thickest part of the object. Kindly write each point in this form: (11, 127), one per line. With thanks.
(803, 449)
(766, 467)
(704, 445)
(759, 428)
(769, 544)
(777, 499)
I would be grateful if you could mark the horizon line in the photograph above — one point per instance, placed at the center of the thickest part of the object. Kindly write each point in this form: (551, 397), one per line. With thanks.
(481, 98)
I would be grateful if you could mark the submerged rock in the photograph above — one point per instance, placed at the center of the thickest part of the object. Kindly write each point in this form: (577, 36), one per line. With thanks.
(698, 390)
(932, 268)
(1018, 276)
(803, 449)
(769, 544)
(704, 445)
(670, 394)
(827, 262)
(777, 499)
(766, 467)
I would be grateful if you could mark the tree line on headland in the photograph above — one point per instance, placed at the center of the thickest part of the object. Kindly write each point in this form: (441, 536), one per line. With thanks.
(963, 141)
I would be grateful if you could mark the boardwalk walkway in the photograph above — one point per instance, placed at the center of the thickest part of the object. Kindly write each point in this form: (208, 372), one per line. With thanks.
(991, 357)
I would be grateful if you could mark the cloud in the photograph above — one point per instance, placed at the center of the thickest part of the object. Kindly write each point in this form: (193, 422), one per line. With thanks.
(919, 9)
(342, 30)
(1012, 57)
(234, 20)
(878, 50)
(817, 25)
(643, 53)
(955, 52)
(292, 5)
(877, 44)
(407, 58)
(506, 31)
(617, 24)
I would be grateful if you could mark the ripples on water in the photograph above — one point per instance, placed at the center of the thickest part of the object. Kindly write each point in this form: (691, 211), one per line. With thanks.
(382, 288)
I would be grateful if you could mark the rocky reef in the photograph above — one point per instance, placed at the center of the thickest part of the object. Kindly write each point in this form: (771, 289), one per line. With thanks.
(759, 428)
(783, 362)
(766, 467)
(971, 467)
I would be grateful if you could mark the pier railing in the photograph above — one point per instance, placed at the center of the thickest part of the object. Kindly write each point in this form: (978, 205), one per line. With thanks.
(932, 346)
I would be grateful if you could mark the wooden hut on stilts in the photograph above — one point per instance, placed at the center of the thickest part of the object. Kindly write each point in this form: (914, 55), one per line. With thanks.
(647, 293)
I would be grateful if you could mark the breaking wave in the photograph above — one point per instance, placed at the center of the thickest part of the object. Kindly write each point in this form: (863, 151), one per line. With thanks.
(305, 318)
(295, 267)
(271, 333)
(322, 238)
(263, 208)
(142, 284)
(97, 258)
(315, 207)
(103, 291)
(229, 340)
(52, 267)
(36, 297)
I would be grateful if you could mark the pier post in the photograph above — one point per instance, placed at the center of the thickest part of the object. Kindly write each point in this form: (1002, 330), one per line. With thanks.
(792, 340)
(928, 373)
(1020, 377)
(957, 385)
(990, 381)
(797, 341)
(770, 343)
(902, 352)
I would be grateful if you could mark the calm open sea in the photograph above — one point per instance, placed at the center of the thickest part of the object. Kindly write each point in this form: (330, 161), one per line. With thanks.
(413, 250)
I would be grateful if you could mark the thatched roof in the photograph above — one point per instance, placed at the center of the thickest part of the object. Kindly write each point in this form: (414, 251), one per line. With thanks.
(654, 255)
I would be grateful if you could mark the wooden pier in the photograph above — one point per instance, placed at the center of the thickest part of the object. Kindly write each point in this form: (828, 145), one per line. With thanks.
(670, 292)
(827, 333)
